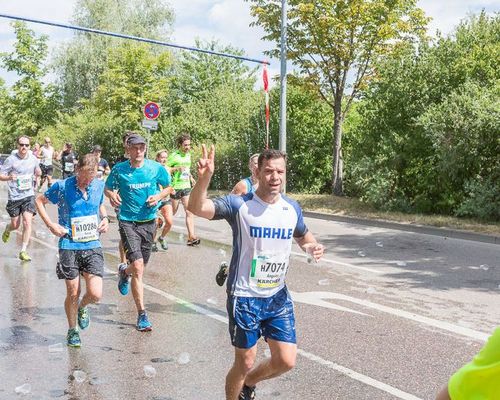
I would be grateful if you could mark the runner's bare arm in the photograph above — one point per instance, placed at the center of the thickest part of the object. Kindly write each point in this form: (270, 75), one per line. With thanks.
(309, 244)
(240, 188)
(113, 196)
(104, 224)
(199, 204)
(56, 229)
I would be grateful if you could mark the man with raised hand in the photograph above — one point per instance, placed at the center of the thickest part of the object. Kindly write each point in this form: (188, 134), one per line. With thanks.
(258, 304)
(135, 187)
(82, 218)
(19, 170)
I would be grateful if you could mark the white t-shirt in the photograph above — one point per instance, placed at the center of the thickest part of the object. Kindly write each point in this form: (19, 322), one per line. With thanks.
(262, 241)
(46, 153)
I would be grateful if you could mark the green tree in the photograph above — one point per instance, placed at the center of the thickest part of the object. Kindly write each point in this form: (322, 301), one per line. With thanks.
(427, 132)
(80, 64)
(30, 104)
(336, 44)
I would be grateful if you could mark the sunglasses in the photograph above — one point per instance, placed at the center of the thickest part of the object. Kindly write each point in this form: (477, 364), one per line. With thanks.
(23, 144)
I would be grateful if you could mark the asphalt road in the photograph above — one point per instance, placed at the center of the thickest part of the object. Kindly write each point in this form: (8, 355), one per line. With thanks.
(386, 315)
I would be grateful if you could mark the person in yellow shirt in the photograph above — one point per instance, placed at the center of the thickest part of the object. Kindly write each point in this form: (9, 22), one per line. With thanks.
(479, 379)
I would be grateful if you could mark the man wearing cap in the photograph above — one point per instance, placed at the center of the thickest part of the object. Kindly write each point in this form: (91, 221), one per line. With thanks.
(135, 187)
(103, 166)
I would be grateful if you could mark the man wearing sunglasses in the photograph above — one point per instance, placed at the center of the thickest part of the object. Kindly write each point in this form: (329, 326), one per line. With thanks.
(18, 171)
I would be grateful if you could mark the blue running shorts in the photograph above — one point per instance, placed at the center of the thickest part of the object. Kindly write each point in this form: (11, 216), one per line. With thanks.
(253, 317)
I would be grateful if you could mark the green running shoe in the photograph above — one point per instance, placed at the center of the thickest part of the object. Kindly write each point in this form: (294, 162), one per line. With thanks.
(163, 243)
(6, 235)
(83, 318)
(23, 256)
(73, 338)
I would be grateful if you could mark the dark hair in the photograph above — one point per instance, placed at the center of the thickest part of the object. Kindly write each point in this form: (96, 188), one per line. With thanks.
(88, 162)
(182, 138)
(271, 154)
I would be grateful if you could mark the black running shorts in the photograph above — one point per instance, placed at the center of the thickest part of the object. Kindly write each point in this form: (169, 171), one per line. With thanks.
(74, 262)
(17, 207)
(137, 238)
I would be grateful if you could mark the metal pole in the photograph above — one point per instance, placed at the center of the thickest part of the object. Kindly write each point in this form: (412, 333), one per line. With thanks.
(283, 79)
(147, 140)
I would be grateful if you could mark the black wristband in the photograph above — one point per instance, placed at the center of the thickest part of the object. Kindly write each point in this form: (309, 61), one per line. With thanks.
(106, 217)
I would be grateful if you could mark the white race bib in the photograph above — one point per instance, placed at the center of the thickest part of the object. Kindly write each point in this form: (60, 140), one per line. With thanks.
(268, 270)
(84, 229)
(69, 167)
(24, 182)
(185, 174)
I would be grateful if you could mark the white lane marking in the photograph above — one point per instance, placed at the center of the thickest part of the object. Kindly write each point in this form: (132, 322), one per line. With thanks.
(317, 298)
(344, 370)
(357, 376)
(306, 298)
(296, 253)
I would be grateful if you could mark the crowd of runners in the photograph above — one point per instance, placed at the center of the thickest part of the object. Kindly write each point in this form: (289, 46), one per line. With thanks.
(143, 192)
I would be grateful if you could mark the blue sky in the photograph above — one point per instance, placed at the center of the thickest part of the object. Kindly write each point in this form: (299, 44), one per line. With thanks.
(225, 20)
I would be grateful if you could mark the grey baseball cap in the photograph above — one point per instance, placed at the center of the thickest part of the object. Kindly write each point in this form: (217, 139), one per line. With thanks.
(135, 139)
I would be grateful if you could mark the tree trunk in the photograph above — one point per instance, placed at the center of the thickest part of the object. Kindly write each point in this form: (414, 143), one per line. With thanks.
(337, 173)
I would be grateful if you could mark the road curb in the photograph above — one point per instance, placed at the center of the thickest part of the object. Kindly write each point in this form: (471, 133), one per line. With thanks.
(428, 230)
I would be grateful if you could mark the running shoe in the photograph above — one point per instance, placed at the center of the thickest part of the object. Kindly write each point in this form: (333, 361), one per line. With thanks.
(221, 276)
(247, 393)
(154, 248)
(83, 318)
(6, 235)
(193, 242)
(23, 256)
(73, 338)
(163, 243)
(123, 279)
(143, 323)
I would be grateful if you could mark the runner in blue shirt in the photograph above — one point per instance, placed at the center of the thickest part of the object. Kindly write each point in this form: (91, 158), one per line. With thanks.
(263, 224)
(82, 218)
(135, 187)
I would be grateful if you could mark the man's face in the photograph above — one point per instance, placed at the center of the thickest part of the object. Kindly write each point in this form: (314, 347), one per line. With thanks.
(23, 146)
(85, 176)
(272, 176)
(47, 143)
(137, 151)
(186, 146)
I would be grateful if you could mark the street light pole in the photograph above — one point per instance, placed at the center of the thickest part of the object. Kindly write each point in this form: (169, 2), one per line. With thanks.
(283, 76)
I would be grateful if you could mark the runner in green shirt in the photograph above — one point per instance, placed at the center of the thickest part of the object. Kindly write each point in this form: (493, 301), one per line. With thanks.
(479, 379)
(179, 166)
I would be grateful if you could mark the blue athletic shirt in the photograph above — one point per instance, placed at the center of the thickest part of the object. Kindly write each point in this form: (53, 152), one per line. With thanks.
(262, 242)
(135, 185)
(250, 185)
(71, 204)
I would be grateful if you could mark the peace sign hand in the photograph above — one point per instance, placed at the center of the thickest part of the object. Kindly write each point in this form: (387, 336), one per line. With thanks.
(206, 164)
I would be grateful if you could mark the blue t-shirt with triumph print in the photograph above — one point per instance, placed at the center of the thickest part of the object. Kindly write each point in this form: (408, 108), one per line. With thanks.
(79, 215)
(262, 242)
(135, 185)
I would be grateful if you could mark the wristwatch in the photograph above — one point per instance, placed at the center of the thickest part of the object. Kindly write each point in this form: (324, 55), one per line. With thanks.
(106, 217)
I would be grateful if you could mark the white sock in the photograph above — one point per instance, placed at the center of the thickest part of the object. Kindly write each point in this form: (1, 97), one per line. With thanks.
(24, 247)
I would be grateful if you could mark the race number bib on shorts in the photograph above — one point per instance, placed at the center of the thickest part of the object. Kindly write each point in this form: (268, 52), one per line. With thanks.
(69, 167)
(268, 270)
(84, 229)
(24, 182)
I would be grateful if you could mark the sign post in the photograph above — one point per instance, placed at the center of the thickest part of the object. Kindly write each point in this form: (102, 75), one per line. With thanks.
(151, 113)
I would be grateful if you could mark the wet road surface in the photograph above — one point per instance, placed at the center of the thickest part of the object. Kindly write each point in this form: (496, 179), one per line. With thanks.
(386, 315)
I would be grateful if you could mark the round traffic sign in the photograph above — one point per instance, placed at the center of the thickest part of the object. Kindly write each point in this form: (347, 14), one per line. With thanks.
(151, 110)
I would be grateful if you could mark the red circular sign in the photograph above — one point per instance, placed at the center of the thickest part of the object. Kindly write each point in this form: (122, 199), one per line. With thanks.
(151, 110)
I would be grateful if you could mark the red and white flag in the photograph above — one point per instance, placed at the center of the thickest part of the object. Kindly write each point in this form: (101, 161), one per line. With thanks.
(266, 90)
